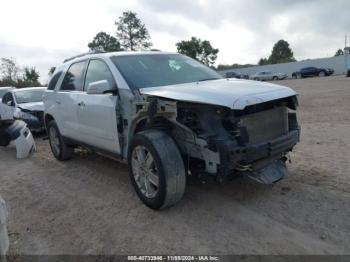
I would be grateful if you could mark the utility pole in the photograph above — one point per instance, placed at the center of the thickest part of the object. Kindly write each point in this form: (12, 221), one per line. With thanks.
(345, 40)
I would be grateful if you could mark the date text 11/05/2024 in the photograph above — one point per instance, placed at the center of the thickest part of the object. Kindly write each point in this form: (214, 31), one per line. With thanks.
(173, 258)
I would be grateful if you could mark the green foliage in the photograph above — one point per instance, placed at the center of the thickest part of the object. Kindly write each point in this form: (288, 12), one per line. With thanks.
(104, 42)
(132, 33)
(51, 70)
(9, 75)
(199, 50)
(281, 53)
(8, 70)
(263, 61)
(339, 52)
(31, 77)
(233, 66)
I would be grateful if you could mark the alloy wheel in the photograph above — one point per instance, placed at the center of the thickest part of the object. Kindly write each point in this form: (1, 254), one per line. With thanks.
(145, 171)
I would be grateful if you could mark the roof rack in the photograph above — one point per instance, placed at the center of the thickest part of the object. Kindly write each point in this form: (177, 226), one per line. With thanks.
(84, 54)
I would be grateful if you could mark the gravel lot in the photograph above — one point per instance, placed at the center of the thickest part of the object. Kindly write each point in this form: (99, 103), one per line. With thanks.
(87, 205)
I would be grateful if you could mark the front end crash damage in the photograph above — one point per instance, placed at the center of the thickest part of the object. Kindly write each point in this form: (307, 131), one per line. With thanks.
(224, 142)
(17, 131)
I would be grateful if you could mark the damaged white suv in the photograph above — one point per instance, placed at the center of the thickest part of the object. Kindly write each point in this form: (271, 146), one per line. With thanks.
(170, 116)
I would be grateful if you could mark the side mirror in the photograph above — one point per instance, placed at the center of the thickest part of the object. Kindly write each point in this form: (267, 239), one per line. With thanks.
(100, 87)
(10, 103)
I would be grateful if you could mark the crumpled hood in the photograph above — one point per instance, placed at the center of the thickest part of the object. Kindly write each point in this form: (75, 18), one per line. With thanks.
(232, 93)
(34, 106)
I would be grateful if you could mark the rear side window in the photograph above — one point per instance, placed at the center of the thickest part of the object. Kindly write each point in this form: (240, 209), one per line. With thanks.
(97, 71)
(73, 80)
(7, 98)
(54, 81)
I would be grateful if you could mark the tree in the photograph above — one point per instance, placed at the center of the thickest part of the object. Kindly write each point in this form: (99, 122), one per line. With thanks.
(339, 52)
(51, 70)
(233, 66)
(104, 42)
(199, 50)
(10, 74)
(9, 70)
(263, 61)
(281, 53)
(31, 77)
(132, 33)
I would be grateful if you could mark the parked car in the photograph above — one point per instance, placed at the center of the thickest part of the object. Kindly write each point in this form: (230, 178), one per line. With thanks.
(238, 75)
(4, 90)
(268, 75)
(24, 104)
(170, 116)
(312, 71)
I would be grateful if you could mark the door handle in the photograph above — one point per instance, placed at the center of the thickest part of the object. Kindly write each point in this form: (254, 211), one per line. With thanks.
(81, 103)
(58, 102)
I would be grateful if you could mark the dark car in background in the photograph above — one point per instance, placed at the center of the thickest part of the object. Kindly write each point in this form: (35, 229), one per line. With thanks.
(312, 71)
(238, 75)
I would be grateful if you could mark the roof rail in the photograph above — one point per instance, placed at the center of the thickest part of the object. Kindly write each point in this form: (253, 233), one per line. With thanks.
(84, 54)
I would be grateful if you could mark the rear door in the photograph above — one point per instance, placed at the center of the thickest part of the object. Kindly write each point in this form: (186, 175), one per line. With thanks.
(7, 106)
(97, 115)
(66, 100)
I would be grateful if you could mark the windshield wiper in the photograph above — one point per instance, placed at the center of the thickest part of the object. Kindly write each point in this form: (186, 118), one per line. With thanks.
(208, 79)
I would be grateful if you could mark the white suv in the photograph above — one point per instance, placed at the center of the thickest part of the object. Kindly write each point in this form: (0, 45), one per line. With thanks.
(169, 116)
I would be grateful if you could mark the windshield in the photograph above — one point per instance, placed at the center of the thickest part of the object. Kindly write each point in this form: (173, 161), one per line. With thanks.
(4, 91)
(29, 96)
(141, 71)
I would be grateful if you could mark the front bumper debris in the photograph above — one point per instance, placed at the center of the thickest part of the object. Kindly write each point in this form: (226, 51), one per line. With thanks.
(271, 173)
(17, 131)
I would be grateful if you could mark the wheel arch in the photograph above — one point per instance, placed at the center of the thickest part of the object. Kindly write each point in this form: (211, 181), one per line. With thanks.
(47, 119)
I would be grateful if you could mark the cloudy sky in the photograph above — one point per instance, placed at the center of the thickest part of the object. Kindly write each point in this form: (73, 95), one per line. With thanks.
(42, 33)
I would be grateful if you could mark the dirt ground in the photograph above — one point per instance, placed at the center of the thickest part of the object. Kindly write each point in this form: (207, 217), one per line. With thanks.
(87, 205)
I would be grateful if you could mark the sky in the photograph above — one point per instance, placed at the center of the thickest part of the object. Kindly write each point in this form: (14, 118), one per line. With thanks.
(42, 33)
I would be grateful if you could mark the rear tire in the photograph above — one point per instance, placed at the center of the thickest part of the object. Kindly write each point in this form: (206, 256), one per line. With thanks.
(59, 148)
(157, 170)
(275, 78)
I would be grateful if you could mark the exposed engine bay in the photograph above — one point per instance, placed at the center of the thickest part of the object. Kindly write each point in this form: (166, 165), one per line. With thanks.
(225, 143)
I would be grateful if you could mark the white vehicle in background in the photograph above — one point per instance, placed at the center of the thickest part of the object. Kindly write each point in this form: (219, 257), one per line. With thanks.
(268, 75)
(170, 116)
(4, 90)
(24, 104)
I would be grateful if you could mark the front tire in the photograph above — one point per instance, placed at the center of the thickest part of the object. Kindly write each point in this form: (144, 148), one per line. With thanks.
(59, 148)
(275, 78)
(321, 74)
(157, 170)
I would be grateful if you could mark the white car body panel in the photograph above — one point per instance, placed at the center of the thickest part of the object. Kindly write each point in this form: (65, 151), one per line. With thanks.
(233, 93)
(34, 106)
(93, 124)
(97, 121)
(25, 144)
(6, 112)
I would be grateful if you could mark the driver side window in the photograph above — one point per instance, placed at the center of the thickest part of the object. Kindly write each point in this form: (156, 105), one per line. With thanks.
(97, 71)
(8, 98)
